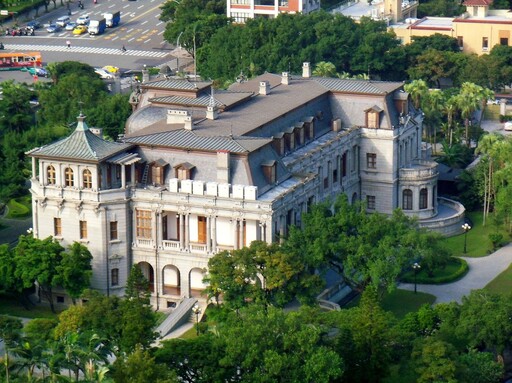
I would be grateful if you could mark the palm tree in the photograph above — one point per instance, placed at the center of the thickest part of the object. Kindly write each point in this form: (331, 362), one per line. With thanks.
(432, 109)
(324, 69)
(450, 108)
(488, 146)
(417, 89)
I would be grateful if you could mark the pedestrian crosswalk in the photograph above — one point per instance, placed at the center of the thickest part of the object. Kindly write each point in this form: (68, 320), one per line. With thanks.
(89, 50)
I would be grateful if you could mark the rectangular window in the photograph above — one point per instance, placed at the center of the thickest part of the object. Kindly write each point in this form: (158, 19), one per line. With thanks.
(354, 158)
(83, 229)
(143, 223)
(504, 41)
(460, 41)
(344, 165)
(201, 229)
(335, 175)
(485, 43)
(370, 202)
(114, 277)
(57, 227)
(371, 160)
(113, 230)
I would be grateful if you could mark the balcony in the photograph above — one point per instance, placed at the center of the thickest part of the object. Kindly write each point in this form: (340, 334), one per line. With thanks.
(144, 243)
(419, 170)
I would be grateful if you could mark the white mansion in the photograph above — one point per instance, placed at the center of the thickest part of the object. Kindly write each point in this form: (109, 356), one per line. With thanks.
(199, 171)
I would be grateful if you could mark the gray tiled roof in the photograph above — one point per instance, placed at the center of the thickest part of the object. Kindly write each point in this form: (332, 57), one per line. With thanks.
(82, 145)
(358, 86)
(184, 101)
(188, 139)
(177, 84)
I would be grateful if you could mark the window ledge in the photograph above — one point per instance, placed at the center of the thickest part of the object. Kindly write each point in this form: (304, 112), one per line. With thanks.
(84, 240)
(114, 241)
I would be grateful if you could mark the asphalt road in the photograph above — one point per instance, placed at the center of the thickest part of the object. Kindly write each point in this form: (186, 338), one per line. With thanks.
(140, 31)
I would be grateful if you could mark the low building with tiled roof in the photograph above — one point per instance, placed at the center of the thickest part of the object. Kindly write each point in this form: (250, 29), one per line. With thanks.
(477, 30)
(199, 171)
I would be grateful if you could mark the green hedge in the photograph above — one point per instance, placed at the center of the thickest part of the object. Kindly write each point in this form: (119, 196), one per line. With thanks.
(19, 207)
(455, 270)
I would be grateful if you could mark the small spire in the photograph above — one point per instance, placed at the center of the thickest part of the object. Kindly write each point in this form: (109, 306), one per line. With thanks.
(81, 126)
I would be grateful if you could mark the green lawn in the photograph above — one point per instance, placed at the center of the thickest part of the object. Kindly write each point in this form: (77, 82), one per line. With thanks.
(502, 284)
(401, 302)
(10, 306)
(478, 243)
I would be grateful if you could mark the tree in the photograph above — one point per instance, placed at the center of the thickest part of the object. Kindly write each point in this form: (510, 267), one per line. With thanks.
(263, 346)
(15, 110)
(37, 260)
(324, 69)
(367, 249)
(479, 367)
(435, 361)
(262, 273)
(418, 90)
(10, 333)
(140, 367)
(75, 270)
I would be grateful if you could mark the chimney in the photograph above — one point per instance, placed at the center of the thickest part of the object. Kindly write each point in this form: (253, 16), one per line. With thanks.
(306, 70)
(211, 109)
(223, 167)
(180, 117)
(285, 79)
(211, 112)
(264, 88)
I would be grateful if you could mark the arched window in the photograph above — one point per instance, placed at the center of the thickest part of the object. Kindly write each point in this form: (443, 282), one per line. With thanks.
(87, 179)
(69, 177)
(423, 198)
(50, 175)
(407, 199)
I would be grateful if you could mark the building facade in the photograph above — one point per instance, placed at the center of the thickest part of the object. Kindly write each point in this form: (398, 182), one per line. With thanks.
(241, 10)
(478, 30)
(198, 172)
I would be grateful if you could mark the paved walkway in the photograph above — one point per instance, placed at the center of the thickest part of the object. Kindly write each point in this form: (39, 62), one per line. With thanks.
(481, 271)
(15, 227)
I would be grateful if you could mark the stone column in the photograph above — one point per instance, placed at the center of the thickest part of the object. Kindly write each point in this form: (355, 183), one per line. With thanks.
(182, 232)
(123, 177)
(236, 244)
(208, 234)
(240, 233)
(132, 174)
(187, 232)
(34, 172)
(214, 234)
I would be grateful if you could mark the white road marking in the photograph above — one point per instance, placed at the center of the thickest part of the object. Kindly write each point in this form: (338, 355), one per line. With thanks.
(147, 41)
(129, 30)
(146, 31)
(115, 38)
(144, 22)
(126, 6)
(160, 33)
(139, 7)
(161, 22)
(87, 50)
(133, 38)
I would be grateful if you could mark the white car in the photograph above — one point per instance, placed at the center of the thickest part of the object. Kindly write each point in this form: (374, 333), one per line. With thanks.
(103, 73)
(83, 20)
(508, 125)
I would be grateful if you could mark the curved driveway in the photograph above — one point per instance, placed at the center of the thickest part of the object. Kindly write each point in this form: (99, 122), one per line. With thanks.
(481, 271)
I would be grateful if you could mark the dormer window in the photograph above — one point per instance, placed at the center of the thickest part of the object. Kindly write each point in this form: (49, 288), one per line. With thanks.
(289, 138)
(278, 143)
(158, 171)
(184, 171)
(68, 177)
(373, 117)
(50, 175)
(269, 171)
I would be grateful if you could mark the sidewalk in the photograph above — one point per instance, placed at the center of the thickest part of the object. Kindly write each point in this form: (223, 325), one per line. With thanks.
(481, 271)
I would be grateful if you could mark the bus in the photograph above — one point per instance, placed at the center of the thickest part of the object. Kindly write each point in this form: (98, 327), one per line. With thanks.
(18, 60)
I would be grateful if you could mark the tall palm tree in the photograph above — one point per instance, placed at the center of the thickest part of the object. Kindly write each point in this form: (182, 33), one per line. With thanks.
(417, 89)
(432, 110)
(488, 147)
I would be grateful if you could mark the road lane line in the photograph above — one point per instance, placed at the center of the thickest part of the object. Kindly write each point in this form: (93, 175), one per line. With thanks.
(147, 41)
(142, 6)
(129, 30)
(133, 38)
(146, 31)
(144, 22)
(115, 38)
(161, 22)
(161, 33)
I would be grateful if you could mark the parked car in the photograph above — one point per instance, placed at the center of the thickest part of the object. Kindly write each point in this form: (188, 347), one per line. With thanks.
(41, 72)
(83, 20)
(53, 28)
(103, 73)
(79, 30)
(111, 69)
(70, 26)
(34, 24)
(507, 126)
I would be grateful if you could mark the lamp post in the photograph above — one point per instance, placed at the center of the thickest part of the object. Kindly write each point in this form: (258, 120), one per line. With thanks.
(466, 228)
(416, 267)
(197, 310)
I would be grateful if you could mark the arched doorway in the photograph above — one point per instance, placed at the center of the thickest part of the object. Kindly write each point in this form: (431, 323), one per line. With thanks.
(196, 282)
(171, 280)
(149, 274)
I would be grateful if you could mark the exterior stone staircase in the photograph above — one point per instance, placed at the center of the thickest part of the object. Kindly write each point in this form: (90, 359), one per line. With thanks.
(180, 315)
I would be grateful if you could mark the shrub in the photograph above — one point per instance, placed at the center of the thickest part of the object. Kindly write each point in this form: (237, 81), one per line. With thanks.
(18, 208)
(496, 239)
(455, 270)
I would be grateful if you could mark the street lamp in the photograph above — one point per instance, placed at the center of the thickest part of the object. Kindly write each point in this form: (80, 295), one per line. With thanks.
(416, 267)
(466, 228)
(197, 310)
